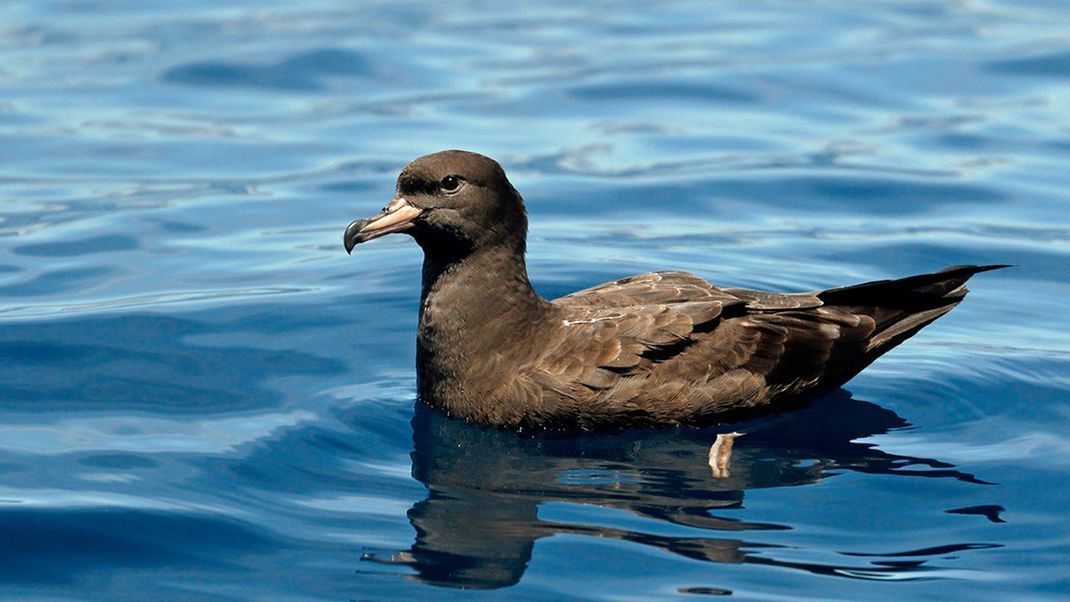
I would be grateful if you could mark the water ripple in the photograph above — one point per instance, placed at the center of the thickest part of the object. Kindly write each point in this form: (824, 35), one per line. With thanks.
(203, 397)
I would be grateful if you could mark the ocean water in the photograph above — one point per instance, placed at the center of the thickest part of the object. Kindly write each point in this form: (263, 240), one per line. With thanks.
(203, 397)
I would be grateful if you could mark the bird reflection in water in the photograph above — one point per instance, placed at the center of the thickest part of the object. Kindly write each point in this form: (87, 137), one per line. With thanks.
(478, 525)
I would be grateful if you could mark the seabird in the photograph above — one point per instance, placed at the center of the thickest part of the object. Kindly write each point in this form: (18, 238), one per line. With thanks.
(663, 348)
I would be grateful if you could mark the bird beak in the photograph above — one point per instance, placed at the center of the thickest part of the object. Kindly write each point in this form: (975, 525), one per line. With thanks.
(397, 216)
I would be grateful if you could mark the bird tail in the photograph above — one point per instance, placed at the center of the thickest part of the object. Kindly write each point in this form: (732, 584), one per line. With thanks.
(900, 308)
(946, 284)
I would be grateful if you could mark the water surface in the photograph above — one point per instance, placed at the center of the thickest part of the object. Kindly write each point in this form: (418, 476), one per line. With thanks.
(203, 397)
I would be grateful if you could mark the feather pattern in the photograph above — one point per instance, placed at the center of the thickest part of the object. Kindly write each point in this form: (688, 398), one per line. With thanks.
(672, 348)
(654, 349)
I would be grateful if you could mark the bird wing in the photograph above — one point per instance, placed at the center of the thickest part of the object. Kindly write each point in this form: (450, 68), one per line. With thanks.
(619, 328)
(690, 360)
(669, 347)
(654, 287)
(675, 287)
(687, 342)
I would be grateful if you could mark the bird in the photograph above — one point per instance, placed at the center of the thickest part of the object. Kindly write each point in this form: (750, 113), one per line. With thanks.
(659, 349)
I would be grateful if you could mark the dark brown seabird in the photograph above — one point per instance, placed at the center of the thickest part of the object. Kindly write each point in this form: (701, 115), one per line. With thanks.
(663, 348)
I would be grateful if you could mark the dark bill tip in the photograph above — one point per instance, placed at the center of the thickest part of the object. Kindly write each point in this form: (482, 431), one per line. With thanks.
(352, 236)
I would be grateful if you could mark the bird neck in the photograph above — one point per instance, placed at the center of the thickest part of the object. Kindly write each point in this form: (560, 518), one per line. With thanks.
(473, 306)
(488, 281)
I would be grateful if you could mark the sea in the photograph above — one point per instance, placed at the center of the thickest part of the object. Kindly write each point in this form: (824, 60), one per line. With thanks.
(203, 397)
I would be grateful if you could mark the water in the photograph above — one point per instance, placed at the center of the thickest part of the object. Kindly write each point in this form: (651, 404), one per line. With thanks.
(203, 397)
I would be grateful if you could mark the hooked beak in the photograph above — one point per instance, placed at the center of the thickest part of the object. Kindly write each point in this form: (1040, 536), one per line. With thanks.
(397, 216)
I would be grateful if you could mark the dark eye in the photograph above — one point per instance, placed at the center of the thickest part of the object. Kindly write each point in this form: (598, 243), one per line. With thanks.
(450, 183)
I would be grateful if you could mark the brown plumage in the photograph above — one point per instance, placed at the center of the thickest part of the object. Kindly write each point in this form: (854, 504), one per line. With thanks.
(654, 349)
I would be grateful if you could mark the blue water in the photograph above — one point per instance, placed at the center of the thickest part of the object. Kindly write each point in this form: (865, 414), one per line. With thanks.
(203, 397)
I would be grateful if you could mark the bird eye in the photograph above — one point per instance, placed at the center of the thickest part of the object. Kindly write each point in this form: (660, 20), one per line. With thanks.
(450, 183)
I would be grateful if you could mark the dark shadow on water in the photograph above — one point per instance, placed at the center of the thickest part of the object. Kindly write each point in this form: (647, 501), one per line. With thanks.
(478, 525)
(58, 546)
(303, 72)
(1048, 65)
(149, 363)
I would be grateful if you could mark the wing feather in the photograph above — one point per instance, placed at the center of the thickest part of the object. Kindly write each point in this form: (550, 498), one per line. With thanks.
(624, 326)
